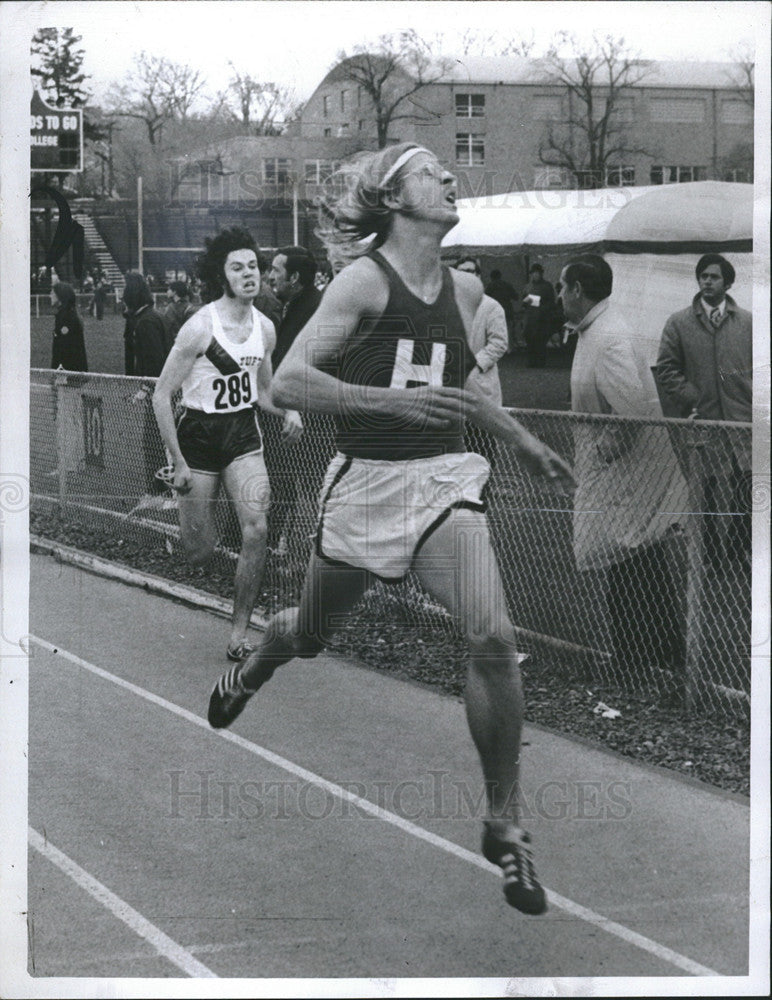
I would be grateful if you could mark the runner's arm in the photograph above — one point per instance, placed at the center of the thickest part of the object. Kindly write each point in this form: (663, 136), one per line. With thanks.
(189, 344)
(533, 453)
(293, 425)
(536, 456)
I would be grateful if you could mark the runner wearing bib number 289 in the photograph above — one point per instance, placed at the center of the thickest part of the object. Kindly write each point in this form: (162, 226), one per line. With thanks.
(221, 360)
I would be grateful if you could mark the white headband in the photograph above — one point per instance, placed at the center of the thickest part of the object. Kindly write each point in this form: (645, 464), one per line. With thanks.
(400, 161)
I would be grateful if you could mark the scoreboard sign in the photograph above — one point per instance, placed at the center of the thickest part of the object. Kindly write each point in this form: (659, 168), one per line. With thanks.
(56, 138)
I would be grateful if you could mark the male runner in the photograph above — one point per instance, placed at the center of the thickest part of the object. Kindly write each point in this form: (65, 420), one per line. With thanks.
(387, 354)
(221, 359)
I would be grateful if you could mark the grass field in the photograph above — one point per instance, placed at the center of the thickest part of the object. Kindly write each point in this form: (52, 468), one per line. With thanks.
(527, 388)
(104, 342)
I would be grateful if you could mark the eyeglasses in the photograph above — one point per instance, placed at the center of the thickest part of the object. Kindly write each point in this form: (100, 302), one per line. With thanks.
(434, 171)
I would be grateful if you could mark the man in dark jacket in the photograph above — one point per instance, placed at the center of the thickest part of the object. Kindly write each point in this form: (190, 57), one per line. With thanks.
(705, 354)
(145, 333)
(265, 301)
(178, 311)
(292, 280)
(705, 365)
(146, 350)
(539, 302)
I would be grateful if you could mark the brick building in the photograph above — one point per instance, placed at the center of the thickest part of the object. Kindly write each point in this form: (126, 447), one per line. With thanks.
(486, 118)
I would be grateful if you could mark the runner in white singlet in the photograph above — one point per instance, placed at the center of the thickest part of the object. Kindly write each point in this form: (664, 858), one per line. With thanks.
(221, 360)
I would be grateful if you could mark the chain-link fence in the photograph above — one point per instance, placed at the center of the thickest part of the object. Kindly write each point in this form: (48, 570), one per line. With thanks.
(642, 578)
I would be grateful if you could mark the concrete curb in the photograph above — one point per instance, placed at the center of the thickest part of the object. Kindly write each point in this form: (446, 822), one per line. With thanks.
(136, 578)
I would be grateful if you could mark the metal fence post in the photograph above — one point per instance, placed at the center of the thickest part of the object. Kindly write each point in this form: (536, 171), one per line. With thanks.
(60, 380)
(695, 545)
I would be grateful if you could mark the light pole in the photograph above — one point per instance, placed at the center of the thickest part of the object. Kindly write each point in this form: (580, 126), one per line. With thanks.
(140, 249)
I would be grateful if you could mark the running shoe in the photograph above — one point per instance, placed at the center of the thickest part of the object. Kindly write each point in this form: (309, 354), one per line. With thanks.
(240, 651)
(521, 884)
(228, 698)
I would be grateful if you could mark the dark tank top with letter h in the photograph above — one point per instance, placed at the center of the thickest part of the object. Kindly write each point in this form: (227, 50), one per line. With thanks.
(410, 344)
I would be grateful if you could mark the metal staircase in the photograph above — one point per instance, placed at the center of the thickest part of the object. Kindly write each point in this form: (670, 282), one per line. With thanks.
(98, 247)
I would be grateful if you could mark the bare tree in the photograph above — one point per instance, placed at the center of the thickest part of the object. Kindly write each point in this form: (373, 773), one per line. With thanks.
(182, 85)
(742, 75)
(391, 73)
(589, 139)
(262, 107)
(473, 42)
(517, 47)
(155, 92)
(738, 163)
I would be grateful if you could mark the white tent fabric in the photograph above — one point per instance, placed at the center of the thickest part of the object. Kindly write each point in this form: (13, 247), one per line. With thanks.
(704, 212)
(651, 236)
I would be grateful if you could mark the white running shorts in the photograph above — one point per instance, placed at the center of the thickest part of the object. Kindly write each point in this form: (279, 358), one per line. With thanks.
(377, 514)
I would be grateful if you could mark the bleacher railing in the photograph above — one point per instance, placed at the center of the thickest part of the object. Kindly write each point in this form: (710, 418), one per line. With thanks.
(655, 540)
(40, 302)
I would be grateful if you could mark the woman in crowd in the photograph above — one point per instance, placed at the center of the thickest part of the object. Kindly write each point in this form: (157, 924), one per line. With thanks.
(69, 348)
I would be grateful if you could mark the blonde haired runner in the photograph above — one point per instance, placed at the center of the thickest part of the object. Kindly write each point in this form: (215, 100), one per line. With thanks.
(393, 329)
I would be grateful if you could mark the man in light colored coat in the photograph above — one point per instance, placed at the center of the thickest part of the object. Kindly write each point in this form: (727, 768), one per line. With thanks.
(629, 485)
(489, 340)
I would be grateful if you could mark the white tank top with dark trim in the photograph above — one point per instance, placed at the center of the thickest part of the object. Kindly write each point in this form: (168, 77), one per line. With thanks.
(224, 378)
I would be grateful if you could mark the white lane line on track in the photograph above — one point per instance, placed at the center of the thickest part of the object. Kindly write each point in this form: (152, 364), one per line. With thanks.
(154, 936)
(631, 937)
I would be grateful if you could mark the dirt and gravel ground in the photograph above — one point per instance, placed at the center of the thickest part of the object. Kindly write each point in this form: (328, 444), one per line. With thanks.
(560, 694)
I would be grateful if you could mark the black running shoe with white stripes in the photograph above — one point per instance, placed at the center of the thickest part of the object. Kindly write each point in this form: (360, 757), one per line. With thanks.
(521, 884)
(228, 698)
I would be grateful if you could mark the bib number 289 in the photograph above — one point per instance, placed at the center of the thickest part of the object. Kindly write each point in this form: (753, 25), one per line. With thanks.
(232, 392)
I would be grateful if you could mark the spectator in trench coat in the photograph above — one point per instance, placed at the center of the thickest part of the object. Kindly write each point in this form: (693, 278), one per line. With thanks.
(630, 489)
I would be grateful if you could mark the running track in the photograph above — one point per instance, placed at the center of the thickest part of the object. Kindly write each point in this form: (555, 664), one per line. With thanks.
(334, 831)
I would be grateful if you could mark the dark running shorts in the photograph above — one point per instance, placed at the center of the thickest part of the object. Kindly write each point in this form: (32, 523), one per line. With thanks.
(209, 442)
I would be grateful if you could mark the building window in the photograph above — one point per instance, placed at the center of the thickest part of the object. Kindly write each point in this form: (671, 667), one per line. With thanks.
(623, 111)
(543, 108)
(736, 112)
(470, 150)
(343, 97)
(319, 171)
(362, 125)
(359, 96)
(548, 177)
(327, 133)
(678, 110)
(470, 105)
(276, 170)
(739, 175)
(677, 175)
(343, 129)
(586, 180)
(620, 176)
(326, 106)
